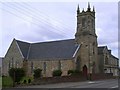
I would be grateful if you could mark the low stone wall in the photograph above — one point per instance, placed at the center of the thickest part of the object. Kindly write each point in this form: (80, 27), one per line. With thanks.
(101, 76)
(48, 80)
(76, 78)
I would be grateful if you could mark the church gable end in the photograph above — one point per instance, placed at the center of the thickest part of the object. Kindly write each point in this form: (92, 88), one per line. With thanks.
(13, 57)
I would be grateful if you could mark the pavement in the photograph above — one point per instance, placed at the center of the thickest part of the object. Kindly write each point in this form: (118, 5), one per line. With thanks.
(110, 83)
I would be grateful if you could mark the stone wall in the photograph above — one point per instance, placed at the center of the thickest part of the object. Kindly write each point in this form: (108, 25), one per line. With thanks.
(50, 80)
(77, 78)
(13, 58)
(51, 65)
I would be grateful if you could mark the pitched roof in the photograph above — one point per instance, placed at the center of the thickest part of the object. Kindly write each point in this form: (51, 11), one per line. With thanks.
(24, 47)
(114, 57)
(100, 49)
(62, 49)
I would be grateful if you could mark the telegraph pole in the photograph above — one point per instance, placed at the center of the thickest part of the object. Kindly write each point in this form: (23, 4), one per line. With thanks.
(118, 73)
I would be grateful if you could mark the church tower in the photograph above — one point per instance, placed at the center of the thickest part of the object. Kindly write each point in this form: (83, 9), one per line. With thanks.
(87, 38)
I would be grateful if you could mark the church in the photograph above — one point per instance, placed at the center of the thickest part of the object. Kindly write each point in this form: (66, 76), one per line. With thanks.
(81, 53)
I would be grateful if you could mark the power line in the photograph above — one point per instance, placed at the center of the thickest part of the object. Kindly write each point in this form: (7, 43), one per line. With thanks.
(39, 14)
(24, 18)
(26, 4)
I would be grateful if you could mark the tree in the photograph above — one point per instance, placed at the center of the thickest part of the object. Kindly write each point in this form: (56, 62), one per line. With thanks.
(37, 73)
(16, 74)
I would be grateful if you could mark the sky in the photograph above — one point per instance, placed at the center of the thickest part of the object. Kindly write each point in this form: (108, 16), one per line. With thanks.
(48, 21)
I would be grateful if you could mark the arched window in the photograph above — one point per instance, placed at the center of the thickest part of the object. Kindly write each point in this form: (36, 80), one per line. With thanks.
(9, 64)
(32, 67)
(93, 47)
(78, 64)
(106, 60)
(44, 67)
(92, 23)
(59, 65)
(12, 62)
(83, 22)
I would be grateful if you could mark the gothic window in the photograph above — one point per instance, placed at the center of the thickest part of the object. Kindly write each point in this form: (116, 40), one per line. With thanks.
(12, 63)
(44, 67)
(59, 65)
(93, 47)
(32, 67)
(78, 64)
(106, 60)
(83, 22)
(16, 64)
(92, 23)
(9, 64)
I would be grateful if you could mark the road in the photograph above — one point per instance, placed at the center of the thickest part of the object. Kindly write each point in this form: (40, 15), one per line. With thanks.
(111, 83)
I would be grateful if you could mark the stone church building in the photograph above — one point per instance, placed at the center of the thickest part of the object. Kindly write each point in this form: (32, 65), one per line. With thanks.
(81, 53)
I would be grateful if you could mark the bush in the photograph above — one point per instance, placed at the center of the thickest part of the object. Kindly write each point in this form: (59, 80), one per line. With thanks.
(74, 72)
(77, 71)
(16, 74)
(7, 82)
(57, 73)
(29, 80)
(37, 73)
(24, 81)
(70, 72)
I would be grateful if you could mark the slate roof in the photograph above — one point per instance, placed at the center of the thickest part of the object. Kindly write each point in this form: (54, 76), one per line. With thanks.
(24, 47)
(63, 49)
(100, 49)
(114, 57)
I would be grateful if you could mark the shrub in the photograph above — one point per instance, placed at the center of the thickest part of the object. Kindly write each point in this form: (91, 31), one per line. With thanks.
(7, 82)
(24, 81)
(29, 80)
(16, 74)
(74, 72)
(77, 71)
(37, 73)
(57, 73)
(70, 72)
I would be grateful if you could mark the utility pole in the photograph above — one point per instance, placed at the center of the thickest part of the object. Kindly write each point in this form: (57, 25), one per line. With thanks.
(118, 78)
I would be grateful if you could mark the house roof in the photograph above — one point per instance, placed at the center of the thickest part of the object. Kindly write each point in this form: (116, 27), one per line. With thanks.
(62, 49)
(100, 49)
(24, 47)
(114, 57)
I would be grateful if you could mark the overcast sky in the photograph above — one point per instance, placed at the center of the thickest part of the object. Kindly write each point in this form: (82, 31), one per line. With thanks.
(48, 21)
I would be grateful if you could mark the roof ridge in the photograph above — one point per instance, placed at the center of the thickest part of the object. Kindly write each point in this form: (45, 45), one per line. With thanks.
(23, 41)
(114, 56)
(102, 46)
(53, 41)
(45, 41)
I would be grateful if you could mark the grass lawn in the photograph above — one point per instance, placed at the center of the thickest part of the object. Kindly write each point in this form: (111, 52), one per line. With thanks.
(7, 82)
(26, 78)
(0, 82)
